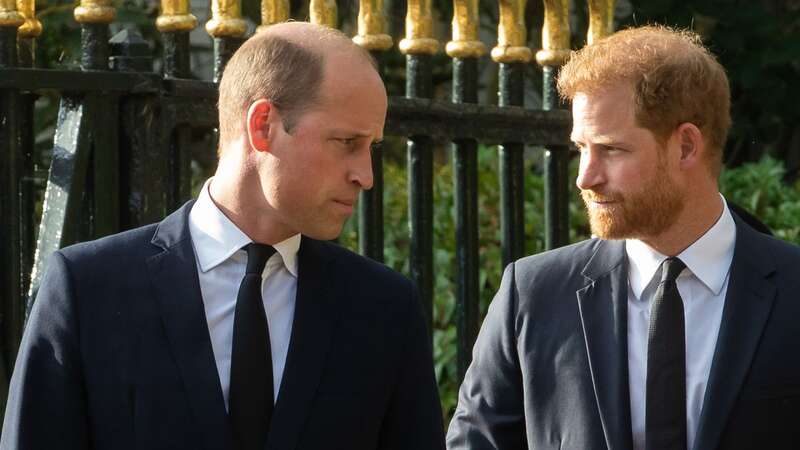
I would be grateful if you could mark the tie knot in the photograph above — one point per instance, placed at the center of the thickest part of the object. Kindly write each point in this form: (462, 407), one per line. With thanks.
(671, 268)
(257, 256)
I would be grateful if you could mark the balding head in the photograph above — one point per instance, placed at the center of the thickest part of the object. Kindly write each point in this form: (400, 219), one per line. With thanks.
(285, 64)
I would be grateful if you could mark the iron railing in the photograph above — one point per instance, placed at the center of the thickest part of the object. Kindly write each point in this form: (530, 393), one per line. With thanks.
(122, 147)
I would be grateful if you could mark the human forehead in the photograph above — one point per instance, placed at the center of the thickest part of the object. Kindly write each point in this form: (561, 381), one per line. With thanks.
(605, 114)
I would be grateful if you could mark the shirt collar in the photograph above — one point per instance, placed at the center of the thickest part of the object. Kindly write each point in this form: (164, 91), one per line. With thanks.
(708, 258)
(216, 238)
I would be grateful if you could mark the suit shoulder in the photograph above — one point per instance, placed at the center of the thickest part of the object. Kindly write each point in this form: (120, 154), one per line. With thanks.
(363, 267)
(120, 246)
(562, 262)
(781, 252)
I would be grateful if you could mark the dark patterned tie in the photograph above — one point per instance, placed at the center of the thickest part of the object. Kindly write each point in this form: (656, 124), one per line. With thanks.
(665, 416)
(251, 396)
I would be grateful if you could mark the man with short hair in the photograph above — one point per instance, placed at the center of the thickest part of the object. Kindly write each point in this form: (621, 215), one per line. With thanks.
(675, 327)
(232, 324)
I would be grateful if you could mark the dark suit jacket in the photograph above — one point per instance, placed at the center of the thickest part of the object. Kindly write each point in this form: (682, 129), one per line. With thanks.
(117, 354)
(550, 367)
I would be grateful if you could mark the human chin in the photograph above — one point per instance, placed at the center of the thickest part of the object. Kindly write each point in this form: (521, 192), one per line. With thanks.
(643, 214)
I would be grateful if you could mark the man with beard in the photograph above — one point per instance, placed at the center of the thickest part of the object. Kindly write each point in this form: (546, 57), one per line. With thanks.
(675, 327)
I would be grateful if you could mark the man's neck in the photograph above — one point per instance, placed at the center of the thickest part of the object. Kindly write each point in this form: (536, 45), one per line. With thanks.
(233, 192)
(699, 214)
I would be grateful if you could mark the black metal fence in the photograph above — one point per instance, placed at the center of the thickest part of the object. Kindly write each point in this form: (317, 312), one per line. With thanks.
(122, 146)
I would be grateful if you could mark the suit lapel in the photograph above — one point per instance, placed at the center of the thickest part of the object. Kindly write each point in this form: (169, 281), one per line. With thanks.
(174, 278)
(748, 303)
(603, 310)
(314, 318)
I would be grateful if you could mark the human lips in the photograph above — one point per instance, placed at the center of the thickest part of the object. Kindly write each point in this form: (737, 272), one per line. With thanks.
(346, 205)
(598, 201)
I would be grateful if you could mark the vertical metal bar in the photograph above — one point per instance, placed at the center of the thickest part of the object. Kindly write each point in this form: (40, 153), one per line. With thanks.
(465, 168)
(419, 47)
(465, 48)
(512, 54)
(371, 36)
(10, 172)
(175, 23)
(555, 51)
(512, 175)
(420, 187)
(227, 28)
(556, 174)
(26, 40)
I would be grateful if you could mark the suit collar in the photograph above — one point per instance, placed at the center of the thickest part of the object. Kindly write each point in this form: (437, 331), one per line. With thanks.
(748, 303)
(315, 316)
(602, 305)
(216, 238)
(173, 274)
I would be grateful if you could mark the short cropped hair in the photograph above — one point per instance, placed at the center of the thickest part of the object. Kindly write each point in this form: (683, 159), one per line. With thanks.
(674, 76)
(287, 73)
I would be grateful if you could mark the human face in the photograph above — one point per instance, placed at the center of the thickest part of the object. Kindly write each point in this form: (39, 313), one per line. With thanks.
(625, 177)
(318, 168)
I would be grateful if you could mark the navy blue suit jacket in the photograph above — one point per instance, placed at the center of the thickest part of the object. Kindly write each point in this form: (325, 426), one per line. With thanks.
(117, 354)
(550, 366)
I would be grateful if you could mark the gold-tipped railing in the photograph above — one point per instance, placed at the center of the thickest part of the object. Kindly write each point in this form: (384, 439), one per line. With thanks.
(465, 43)
(175, 17)
(419, 38)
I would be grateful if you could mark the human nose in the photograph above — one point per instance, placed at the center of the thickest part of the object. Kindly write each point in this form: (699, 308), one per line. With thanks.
(361, 172)
(590, 171)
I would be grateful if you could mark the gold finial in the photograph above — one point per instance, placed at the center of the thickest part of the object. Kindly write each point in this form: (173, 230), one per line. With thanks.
(95, 11)
(175, 16)
(9, 17)
(32, 27)
(555, 34)
(419, 30)
(511, 34)
(272, 12)
(465, 43)
(371, 24)
(601, 20)
(323, 12)
(226, 19)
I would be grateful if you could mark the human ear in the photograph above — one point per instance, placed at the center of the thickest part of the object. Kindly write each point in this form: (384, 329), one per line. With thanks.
(691, 143)
(258, 125)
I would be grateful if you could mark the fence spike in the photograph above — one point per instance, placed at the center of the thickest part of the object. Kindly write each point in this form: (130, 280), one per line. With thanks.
(175, 16)
(32, 27)
(226, 20)
(323, 12)
(511, 34)
(555, 34)
(95, 11)
(371, 26)
(601, 19)
(465, 43)
(419, 30)
(272, 12)
(9, 16)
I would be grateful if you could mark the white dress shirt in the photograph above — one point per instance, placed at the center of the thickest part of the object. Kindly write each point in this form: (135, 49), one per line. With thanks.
(702, 287)
(221, 264)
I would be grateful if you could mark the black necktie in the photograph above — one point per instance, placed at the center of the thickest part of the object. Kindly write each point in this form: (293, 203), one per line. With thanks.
(665, 416)
(251, 396)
